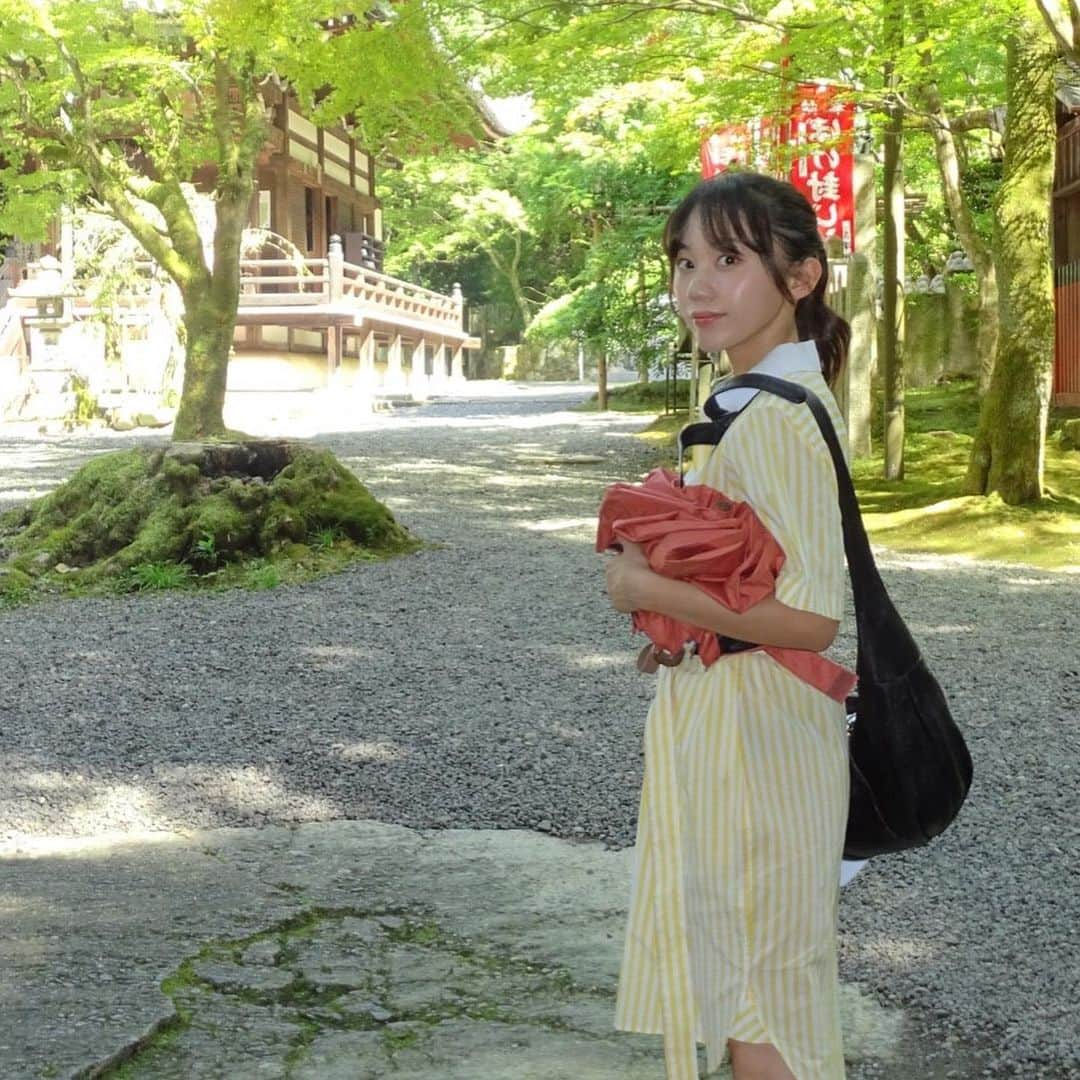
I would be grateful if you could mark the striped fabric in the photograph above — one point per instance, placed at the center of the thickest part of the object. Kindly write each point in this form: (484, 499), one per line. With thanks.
(733, 909)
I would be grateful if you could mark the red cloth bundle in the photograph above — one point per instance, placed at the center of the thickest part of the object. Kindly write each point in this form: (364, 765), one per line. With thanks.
(697, 534)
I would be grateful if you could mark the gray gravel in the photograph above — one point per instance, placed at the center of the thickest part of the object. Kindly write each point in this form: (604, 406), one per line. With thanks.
(485, 683)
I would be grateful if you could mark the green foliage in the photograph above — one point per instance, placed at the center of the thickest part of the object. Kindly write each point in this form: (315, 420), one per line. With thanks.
(162, 575)
(567, 214)
(325, 538)
(720, 64)
(261, 575)
(205, 550)
(15, 587)
(1070, 434)
(86, 404)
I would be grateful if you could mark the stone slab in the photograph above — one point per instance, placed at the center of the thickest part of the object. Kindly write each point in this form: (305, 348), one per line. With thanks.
(342, 949)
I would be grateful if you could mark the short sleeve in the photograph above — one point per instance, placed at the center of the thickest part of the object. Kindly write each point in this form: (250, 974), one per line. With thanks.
(788, 477)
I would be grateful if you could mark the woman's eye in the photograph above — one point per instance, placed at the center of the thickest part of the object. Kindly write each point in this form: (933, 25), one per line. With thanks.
(683, 264)
(728, 260)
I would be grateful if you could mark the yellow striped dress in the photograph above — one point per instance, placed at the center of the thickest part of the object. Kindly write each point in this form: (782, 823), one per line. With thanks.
(733, 910)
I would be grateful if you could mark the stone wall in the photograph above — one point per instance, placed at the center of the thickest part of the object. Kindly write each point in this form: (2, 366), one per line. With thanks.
(941, 335)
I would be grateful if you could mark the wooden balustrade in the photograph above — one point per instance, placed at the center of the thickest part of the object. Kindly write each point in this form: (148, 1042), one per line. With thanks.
(296, 283)
(394, 296)
(287, 282)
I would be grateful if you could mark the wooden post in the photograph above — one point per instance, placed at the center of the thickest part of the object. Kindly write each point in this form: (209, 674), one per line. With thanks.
(459, 304)
(335, 270)
(335, 273)
(418, 378)
(395, 377)
(365, 376)
(457, 364)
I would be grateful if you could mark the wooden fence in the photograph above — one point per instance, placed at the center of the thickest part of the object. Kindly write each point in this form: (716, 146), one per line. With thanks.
(1067, 334)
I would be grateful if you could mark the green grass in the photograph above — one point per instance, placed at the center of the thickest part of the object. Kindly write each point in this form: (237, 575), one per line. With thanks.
(928, 511)
(640, 397)
(163, 575)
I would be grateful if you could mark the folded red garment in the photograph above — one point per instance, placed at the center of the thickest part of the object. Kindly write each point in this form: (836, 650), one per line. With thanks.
(697, 534)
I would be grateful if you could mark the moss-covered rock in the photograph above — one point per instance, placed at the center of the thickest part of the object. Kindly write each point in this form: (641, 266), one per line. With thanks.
(211, 507)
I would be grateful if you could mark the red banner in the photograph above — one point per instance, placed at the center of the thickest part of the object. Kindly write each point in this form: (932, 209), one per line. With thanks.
(726, 146)
(826, 174)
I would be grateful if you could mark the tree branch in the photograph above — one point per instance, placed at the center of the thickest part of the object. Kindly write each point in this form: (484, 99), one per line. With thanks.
(1064, 25)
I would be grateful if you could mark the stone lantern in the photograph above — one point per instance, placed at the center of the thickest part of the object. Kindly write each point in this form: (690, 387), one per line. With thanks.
(46, 288)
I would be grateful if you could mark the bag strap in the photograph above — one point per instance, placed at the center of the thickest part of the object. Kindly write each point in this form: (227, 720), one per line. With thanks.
(873, 608)
(856, 544)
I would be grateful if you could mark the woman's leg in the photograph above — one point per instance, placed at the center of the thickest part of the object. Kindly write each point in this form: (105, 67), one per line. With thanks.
(757, 1061)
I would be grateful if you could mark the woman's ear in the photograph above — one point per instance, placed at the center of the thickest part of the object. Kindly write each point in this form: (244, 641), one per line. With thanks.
(804, 276)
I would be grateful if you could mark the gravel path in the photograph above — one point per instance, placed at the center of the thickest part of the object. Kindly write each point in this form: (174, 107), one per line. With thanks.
(484, 683)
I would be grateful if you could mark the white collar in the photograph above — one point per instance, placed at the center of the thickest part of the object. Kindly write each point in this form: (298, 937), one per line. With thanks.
(784, 360)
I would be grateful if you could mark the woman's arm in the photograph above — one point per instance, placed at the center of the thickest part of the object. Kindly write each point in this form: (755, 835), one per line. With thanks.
(633, 586)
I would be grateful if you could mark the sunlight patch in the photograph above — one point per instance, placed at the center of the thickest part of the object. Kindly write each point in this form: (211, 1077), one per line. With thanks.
(597, 661)
(558, 524)
(368, 751)
(334, 656)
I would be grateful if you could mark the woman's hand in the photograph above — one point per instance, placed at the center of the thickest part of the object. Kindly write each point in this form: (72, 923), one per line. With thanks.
(626, 573)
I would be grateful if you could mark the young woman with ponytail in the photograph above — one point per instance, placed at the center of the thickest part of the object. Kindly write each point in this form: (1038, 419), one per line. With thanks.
(731, 938)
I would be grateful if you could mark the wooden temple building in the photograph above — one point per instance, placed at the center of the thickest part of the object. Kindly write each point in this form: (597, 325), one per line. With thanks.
(317, 314)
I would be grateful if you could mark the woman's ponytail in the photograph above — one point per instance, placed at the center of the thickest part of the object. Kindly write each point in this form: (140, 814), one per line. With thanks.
(818, 322)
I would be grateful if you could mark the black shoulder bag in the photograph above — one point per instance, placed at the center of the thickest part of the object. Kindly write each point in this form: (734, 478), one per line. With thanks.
(910, 767)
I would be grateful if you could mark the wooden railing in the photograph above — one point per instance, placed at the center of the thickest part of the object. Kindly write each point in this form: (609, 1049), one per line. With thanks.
(336, 284)
(290, 283)
(274, 282)
(1067, 334)
(397, 297)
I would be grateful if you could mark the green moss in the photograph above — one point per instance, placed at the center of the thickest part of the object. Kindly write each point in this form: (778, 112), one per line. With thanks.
(163, 537)
(642, 397)
(188, 507)
(15, 586)
(296, 552)
(316, 491)
(395, 1040)
(219, 516)
(66, 522)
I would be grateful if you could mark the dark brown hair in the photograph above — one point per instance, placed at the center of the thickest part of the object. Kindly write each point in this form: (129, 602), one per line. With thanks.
(775, 220)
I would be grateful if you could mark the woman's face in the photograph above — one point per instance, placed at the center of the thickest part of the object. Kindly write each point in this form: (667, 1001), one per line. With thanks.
(729, 299)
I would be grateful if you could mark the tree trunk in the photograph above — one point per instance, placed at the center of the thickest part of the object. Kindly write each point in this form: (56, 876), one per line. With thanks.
(892, 352)
(601, 378)
(949, 168)
(1009, 450)
(210, 304)
(208, 325)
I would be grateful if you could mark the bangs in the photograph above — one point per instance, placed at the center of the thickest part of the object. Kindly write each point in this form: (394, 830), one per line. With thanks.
(732, 214)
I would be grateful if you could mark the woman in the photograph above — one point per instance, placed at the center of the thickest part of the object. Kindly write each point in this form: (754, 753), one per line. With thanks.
(731, 938)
